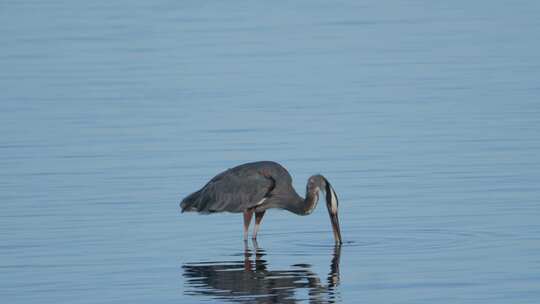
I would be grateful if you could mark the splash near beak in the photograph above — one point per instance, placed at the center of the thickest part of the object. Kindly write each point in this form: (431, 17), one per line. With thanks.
(332, 204)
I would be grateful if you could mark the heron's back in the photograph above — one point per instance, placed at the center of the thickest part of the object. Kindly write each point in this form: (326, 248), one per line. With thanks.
(239, 188)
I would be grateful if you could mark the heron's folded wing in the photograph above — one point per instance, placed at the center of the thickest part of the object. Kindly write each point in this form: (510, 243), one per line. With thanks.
(231, 192)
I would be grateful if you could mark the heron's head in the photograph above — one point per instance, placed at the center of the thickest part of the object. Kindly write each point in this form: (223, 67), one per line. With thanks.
(318, 183)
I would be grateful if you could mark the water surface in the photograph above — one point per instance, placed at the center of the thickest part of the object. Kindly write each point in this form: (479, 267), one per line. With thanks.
(424, 116)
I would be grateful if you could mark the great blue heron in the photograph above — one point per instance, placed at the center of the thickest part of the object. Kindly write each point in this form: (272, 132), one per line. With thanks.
(258, 186)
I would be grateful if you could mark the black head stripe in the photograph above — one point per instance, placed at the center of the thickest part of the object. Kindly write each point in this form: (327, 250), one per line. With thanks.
(328, 191)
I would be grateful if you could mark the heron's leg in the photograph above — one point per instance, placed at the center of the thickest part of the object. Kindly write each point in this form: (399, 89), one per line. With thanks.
(248, 266)
(247, 220)
(258, 220)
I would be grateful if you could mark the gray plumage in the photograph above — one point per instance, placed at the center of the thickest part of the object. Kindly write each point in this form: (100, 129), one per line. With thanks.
(241, 188)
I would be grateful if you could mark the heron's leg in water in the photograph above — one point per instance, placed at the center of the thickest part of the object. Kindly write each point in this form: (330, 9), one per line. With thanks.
(258, 220)
(247, 220)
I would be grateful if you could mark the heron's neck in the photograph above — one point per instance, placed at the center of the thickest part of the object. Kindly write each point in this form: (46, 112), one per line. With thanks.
(307, 205)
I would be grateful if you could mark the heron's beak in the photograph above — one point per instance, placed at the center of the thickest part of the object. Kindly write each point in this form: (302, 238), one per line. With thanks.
(332, 205)
(335, 227)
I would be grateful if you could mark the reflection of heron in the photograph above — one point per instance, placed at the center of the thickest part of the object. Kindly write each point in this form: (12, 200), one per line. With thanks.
(254, 188)
(250, 281)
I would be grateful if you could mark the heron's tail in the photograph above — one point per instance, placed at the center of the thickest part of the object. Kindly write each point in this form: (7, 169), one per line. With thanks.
(191, 202)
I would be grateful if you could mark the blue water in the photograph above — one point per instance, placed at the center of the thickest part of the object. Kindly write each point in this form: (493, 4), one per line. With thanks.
(424, 115)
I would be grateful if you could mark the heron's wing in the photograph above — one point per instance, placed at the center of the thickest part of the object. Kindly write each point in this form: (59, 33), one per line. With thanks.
(229, 191)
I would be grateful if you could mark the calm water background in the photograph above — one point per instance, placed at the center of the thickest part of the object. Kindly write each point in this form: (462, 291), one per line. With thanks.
(425, 116)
